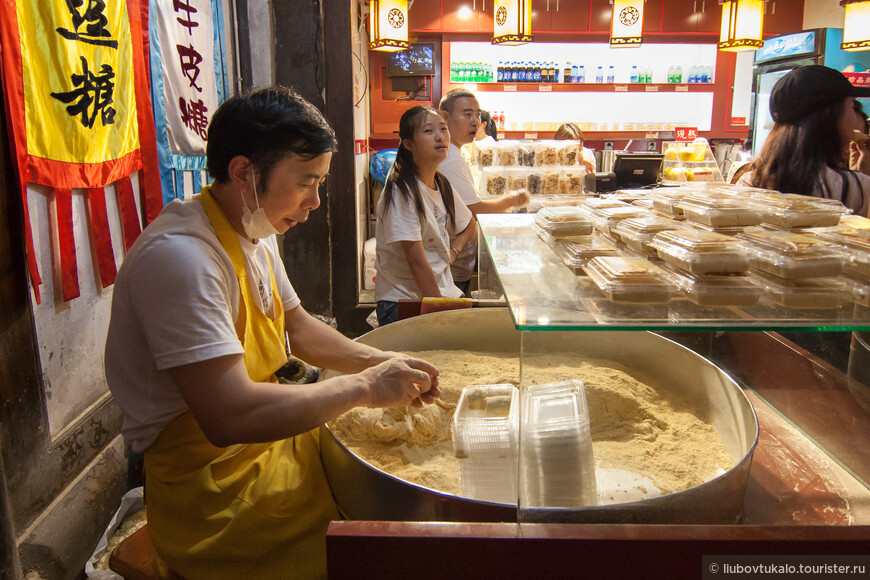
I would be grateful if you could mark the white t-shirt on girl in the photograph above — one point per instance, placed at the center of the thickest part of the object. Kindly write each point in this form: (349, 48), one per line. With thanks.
(394, 280)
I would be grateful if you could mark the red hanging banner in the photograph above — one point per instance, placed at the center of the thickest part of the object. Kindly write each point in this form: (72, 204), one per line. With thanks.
(66, 244)
(78, 102)
(129, 214)
(102, 236)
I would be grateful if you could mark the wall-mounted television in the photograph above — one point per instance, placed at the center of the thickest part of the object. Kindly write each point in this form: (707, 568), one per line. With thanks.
(419, 60)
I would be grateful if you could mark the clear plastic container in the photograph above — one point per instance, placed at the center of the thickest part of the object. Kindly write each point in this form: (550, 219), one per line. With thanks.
(564, 221)
(550, 181)
(557, 462)
(631, 195)
(485, 431)
(807, 293)
(790, 255)
(857, 244)
(719, 209)
(534, 183)
(666, 201)
(724, 230)
(606, 218)
(718, 289)
(547, 153)
(526, 153)
(644, 202)
(571, 181)
(575, 253)
(594, 203)
(485, 153)
(568, 153)
(506, 153)
(630, 280)
(699, 252)
(494, 180)
(636, 232)
(799, 211)
(518, 178)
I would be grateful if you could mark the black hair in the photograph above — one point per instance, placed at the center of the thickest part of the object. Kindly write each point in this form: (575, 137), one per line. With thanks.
(265, 126)
(448, 100)
(569, 131)
(404, 173)
(489, 126)
(795, 156)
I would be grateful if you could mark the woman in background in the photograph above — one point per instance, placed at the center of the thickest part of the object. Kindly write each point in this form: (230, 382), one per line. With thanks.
(810, 150)
(422, 223)
(572, 131)
(487, 131)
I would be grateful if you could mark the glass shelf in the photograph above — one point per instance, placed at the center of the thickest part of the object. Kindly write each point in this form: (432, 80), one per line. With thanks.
(542, 293)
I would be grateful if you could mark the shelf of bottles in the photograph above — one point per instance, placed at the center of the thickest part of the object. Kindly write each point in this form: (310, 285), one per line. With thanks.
(567, 73)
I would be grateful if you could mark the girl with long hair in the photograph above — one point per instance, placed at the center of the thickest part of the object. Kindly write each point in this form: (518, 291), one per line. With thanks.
(810, 150)
(422, 225)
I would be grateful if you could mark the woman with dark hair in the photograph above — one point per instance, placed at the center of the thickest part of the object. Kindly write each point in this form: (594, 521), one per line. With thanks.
(488, 131)
(572, 131)
(422, 223)
(810, 150)
(202, 316)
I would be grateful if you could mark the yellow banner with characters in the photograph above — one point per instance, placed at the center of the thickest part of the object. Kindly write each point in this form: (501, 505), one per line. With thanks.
(79, 91)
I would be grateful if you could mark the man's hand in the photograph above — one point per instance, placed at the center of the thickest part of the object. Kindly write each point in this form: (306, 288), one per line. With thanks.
(402, 380)
(521, 198)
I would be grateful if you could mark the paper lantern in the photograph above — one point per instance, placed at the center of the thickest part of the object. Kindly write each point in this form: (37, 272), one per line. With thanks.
(856, 32)
(388, 25)
(626, 25)
(742, 22)
(512, 22)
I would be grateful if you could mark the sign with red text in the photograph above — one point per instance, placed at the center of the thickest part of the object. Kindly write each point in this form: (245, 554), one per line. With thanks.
(859, 79)
(685, 133)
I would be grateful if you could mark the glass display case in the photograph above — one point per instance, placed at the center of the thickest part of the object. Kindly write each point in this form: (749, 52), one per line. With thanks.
(799, 363)
(689, 161)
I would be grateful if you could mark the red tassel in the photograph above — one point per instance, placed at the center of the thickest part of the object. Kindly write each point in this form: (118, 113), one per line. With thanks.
(102, 236)
(129, 214)
(32, 265)
(66, 240)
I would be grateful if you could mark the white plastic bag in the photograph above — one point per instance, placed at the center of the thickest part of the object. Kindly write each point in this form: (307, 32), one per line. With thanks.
(132, 502)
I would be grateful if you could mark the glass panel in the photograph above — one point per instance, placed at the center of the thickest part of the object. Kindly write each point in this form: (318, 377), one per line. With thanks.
(543, 293)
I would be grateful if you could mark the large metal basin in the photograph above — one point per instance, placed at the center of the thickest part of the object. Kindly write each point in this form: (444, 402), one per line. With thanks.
(366, 493)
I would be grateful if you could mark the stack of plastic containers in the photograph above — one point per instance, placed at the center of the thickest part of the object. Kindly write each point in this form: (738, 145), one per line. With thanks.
(485, 438)
(709, 268)
(637, 232)
(796, 270)
(719, 211)
(557, 464)
(606, 218)
(630, 280)
(562, 222)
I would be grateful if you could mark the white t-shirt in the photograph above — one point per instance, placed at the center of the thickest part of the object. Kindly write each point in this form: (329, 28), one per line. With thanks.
(175, 302)
(457, 172)
(394, 280)
(857, 195)
(589, 155)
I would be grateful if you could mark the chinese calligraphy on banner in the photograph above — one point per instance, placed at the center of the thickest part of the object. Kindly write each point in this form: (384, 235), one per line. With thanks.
(188, 83)
(75, 83)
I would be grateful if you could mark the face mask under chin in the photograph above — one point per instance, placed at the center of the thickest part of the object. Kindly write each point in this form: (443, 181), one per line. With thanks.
(256, 224)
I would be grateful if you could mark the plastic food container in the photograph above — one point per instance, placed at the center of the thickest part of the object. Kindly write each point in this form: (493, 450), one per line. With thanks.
(718, 289)
(790, 255)
(526, 153)
(571, 181)
(550, 179)
(725, 230)
(485, 153)
(606, 218)
(720, 210)
(665, 201)
(485, 431)
(814, 293)
(644, 202)
(546, 153)
(699, 252)
(557, 464)
(533, 182)
(631, 280)
(564, 221)
(576, 253)
(506, 153)
(568, 153)
(636, 232)
(799, 211)
(857, 244)
(518, 178)
(494, 180)
(594, 203)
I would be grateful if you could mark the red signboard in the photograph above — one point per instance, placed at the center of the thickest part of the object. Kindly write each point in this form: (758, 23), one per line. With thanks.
(738, 120)
(859, 79)
(685, 133)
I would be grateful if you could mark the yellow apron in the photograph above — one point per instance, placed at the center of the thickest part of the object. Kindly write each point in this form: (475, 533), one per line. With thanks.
(244, 511)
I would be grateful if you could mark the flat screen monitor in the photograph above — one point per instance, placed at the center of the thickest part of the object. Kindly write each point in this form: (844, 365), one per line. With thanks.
(419, 60)
(637, 169)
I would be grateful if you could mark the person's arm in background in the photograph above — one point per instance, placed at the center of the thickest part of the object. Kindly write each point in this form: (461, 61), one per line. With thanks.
(859, 155)
(421, 270)
(501, 204)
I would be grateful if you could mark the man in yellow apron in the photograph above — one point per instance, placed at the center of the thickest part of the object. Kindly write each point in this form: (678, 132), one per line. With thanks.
(234, 486)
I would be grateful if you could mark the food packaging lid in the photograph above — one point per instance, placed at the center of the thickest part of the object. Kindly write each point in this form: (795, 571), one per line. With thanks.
(622, 273)
(645, 224)
(695, 240)
(576, 253)
(715, 284)
(790, 244)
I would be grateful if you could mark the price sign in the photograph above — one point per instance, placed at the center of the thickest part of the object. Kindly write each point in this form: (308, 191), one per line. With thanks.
(545, 88)
(681, 88)
(530, 136)
(652, 88)
(620, 88)
(685, 133)
(510, 88)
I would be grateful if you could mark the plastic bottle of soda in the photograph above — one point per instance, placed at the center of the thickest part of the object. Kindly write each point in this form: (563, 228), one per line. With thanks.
(611, 77)
(633, 77)
(566, 73)
(581, 74)
(599, 74)
(678, 74)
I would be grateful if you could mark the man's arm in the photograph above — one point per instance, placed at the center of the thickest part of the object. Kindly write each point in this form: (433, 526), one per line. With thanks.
(230, 408)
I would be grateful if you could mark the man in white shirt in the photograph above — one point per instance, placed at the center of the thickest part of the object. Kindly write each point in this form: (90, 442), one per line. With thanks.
(461, 110)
